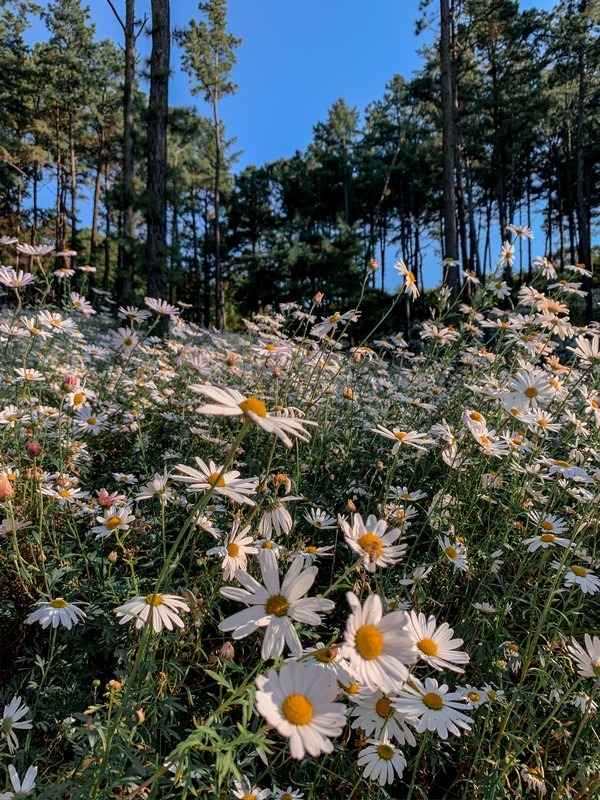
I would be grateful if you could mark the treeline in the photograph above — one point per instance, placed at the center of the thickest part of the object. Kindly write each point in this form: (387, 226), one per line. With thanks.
(518, 131)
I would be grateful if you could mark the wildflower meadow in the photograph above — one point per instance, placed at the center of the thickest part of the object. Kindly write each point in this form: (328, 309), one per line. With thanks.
(290, 563)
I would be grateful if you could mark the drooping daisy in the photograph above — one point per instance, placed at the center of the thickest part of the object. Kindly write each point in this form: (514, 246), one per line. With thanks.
(56, 612)
(375, 714)
(370, 541)
(274, 607)
(157, 487)
(113, 519)
(382, 761)
(299, 701)
(163, 609)
(588, 659)
(12, 719)
(377, 646)
(234, 551)
(434, 644)
(21, 788)
(329, 658)
(226, 484)
(429, 706)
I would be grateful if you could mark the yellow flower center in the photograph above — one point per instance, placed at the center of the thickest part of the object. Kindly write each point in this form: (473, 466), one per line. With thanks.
(58, 603)
(428, 647)
(214, 479)
(232, 549)
(128, 341)
(326, 655)
(113, 522)
(270, 347)
(255, 406)
(400, 435)
(267, 545)
(476, 416)
(531, 391)
(383, 707)
(581, 572)
(277, 605)
(297, 709)
(64, 493)
(371, 544)
(433, 700)
(286, 796)
(334, 318)
(369, 642)
(154, 599)
(91, 421)
(385, 751)
(559, 463)
(451, 553)
(492, 695)
(474, 697)
(547, 537)
(311, 549)
(546, 525)
(250, 796)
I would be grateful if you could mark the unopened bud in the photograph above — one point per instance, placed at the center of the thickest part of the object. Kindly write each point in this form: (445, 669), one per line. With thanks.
(227, 651)
(276, 372)
(33, 448)
(318, 298)
(112, 556)
(70, 383)
(350, 506)
(6, 489)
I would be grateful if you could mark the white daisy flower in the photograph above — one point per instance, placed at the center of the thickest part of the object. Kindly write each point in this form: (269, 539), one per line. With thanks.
(274, 607)
(544, 540)
(56, 612)
(371, 541)
(382, 761)
(418, 441)
(455, 552)
(288, 794)
(435, 645)
(299, 701)
(161, 307)
(429, 706)
(377, 646)
(588, 659)
(243, 790)
(576, 575)
(376, 716)
(320, 519)
(164, 610)
(227, 484)
(113, 519)
(21, 788)
(12, 719)
(234, 551)
(231, 403)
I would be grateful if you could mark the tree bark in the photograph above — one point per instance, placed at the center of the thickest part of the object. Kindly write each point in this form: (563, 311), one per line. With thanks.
(448, 149)
(156, 185)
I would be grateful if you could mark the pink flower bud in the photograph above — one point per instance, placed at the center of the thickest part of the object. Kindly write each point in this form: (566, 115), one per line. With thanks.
(318, 298)
(70, 383)
(33, 448)
(227, 651)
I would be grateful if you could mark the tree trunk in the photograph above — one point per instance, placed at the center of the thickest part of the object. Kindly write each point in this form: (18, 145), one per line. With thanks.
(96, 205)
(128, 162)
(448, 149)
(156, 185)
(583, 214)
(219, 295)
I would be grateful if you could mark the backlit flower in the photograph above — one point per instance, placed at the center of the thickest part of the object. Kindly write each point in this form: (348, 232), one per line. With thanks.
(163, 610)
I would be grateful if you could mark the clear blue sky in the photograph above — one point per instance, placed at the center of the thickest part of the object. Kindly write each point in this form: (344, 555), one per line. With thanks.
(297, 57)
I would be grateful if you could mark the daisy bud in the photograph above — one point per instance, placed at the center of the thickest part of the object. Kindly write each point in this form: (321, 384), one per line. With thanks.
(276, 372)
(227, 651)
(95, 683)
(33, 448)
(70, 383)
(373, 264)
(231, 359)
(350, 507)
(112, 556)
(6, 489)
(318, 298)
(141, 716)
